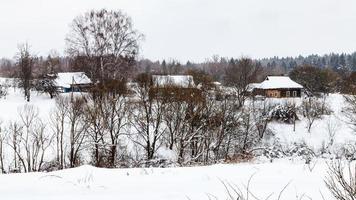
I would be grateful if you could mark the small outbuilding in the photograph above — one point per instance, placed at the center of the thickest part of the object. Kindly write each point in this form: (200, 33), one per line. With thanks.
(276, 87)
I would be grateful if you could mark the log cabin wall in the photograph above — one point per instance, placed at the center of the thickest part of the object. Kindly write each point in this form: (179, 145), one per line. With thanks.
(283, 93)
(273, 93)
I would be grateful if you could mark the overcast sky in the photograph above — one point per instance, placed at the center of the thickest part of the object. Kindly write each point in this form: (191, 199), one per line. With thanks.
(193, 29)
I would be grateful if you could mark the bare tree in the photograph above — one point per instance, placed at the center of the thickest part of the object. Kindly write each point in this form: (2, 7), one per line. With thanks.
(341, 181)
(332, 128)
(106, 40)
(116, 122)
(174, 117)
(58, 122)
(239, 74)
(41, 141)
(2, 142)
(106, 118)
(15, 133)
(350, 110)
(260, 112)
(223, 123)
(312, 110)
(147, 114)
(29, 140)
(28, 115)
(94, 117)
(77, 128)
(247, 133)
(182, 117)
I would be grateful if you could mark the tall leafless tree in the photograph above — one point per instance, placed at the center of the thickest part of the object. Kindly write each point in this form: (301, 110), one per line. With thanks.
(147, 114)
(77, 128)
(106, 118)
(2, 143)
(58, 125)
(106, 40)
(239, 74)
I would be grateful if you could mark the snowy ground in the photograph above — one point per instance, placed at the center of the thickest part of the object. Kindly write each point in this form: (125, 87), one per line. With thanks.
(321, 131)
(87, 182)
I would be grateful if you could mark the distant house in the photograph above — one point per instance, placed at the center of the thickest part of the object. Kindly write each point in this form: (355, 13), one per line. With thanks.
(276, 87)
(179, 81)
(175, 88)
(72, 82)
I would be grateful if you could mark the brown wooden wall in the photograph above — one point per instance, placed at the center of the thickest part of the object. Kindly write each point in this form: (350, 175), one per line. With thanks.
(283, 93)
(278, 93)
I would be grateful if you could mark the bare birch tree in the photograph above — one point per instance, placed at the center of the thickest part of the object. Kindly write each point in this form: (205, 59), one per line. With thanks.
(58, 125)
(2, 143)
(108, 42)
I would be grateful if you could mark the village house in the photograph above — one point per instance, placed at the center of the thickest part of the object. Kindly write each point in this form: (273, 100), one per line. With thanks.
(276, 87)
(175, 87)
(72, 82)
(180, 81)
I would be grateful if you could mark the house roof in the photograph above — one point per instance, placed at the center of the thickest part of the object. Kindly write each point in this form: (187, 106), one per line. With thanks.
(278, 82)
(66, 79)
(184, 81)
(252, 86)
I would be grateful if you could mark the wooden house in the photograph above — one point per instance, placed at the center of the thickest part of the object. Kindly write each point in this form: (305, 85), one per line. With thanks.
(276, 87)
(175, 88)
(72, 82)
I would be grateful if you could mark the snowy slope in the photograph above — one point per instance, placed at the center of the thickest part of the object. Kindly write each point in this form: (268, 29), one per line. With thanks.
(319, 136)
(88, 183)
(15, 100)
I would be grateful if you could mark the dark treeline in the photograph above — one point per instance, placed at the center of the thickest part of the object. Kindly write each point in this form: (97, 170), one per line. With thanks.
(214, 65)
(334, 61)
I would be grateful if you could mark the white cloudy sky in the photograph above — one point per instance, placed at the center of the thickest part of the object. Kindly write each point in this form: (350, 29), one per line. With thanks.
(193, 29)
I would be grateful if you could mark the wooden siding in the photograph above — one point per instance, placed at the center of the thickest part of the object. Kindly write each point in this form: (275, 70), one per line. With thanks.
(284, 93)
(278, 93)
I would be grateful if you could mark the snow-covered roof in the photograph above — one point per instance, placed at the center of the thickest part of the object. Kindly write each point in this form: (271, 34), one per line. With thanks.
(184, 81)
(278, 82)
(66, 79)
(252, 86)
(217, 83)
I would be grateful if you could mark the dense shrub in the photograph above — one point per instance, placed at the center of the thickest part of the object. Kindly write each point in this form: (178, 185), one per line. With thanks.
(3, 91)
(284, 113)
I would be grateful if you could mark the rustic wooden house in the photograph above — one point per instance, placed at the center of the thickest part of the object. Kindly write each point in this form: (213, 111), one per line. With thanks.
(181, 81)
(175, 88)
(72, 82)
(276, 87)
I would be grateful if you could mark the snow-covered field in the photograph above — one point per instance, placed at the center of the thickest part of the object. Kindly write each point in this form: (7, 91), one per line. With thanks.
(86, 182)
